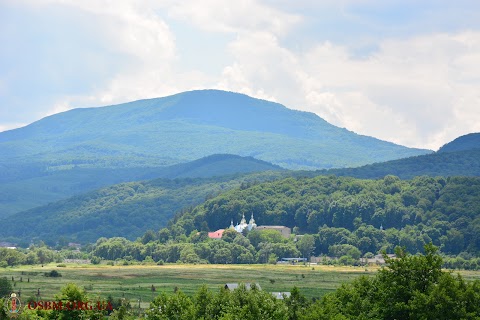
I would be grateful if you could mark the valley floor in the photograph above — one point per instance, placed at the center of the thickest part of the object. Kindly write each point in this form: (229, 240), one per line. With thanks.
(136, 282)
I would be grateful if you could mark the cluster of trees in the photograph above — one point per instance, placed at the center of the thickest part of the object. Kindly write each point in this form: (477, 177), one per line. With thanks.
(257, 247)
(37, 255)
(409, 287)
(337, 245)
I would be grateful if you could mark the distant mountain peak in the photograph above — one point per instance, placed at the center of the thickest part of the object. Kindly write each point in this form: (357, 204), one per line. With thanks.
(469, 141)
(191, 125)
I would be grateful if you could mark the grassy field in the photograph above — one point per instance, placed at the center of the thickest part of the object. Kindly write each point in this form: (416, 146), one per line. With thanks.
(135, 282)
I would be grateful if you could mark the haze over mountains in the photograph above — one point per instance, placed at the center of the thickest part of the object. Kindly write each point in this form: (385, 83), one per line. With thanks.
(16, 196)
(151, 204)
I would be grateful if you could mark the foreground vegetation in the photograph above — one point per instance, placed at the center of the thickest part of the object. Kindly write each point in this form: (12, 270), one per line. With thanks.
(410, 287)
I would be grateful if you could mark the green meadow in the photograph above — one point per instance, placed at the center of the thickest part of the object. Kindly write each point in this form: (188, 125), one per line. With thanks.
(135, 282)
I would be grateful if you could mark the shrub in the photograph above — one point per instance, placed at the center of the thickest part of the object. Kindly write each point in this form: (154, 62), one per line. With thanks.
(95, 260)
(53, 274)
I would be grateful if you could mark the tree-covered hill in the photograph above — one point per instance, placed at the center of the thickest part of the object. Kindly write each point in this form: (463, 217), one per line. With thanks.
(347, 211)
(216, 165)
(188, 126)
(455, 163)
(451, 163)
(126, 209)
(467, 142)
(160, 201)
(39, 187)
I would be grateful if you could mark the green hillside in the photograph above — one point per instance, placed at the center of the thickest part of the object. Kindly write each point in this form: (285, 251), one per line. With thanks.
(184, 127)
(455, 163)
(126, 209)
(216, 165)
(157, 201)
(467, 142)
(367, 214)
(38, 188)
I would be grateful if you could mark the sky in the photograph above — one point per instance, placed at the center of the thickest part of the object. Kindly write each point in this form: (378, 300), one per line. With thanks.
(405, 71)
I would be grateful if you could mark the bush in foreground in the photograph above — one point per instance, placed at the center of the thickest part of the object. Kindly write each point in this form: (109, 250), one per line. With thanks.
(410, 287)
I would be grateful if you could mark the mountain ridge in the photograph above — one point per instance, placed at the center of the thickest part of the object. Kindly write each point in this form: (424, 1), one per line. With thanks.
(469, 141)
(41, 189)
(142, 131)
(446, 164)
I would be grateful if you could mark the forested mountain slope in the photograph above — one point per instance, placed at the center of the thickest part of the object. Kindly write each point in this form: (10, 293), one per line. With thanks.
(51, 186)
(454, 163)
(445, 211)
(188, 126)
(126, 209)
(467, 142)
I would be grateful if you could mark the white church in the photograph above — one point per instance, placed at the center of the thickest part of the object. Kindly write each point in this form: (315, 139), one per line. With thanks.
(243, 224)
(240, 227)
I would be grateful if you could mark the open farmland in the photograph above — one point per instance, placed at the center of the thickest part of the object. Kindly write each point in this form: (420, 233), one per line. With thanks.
(134, 282)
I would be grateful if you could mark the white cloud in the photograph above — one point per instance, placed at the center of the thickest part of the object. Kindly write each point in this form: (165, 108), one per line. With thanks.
(234, 16)
(420, 91)
(262, 68)
(129, 35)
(136, 30)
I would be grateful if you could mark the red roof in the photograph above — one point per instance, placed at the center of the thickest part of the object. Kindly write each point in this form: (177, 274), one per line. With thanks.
(216, 234)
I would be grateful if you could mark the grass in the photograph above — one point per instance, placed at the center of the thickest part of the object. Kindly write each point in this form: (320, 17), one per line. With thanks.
(135, 282)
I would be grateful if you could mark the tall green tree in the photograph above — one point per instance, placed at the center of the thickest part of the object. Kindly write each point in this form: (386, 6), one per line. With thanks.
(5, 287)
(306, 245)
(174, 307)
